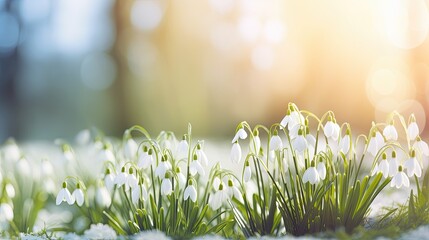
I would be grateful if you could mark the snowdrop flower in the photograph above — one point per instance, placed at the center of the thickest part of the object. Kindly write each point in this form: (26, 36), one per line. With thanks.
(131, 181)
(163, 167)
(46, 168)
(190, 192)
(413, 129)
(383, 167)
(300, 143)
(247, 174)
(11, 150)
(106, 154)
(292, 119)
(412, 165)
(393, 164)
(139, 192)
(196, 167)
(218, 198)
(400, 179)
(109, 180)
(145, 159)
(233, 191)
(130, 148)
(68, 153)
(180, 177)
(240, 134)
(373, 145)
(276, 142)
(321, 170)
(100, 231)
(236, 152)
(255, 143)
(121, 178)
(331, 129)
(311, 140)
(345, 143)
(380, 139)
(102, 196)
(421, 146)
(201, 155)
(78, 195)
(6, 212)
(166, 186)
(10, 190)
(23, 167)
(390, 132)
(182, 149)
(64, 196)
(311, 175)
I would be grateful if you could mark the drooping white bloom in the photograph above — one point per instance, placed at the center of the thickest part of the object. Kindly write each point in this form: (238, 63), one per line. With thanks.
(413, 130)
(236, 152)
(106, 154)
(240, 134)
(11, 151)
(130, 149)
(102, 196)
(413, 166)
(166, 186)
(233, 191)
(139, 192)
(109, 180)
(384, 167)
(46, 168)
(181, 178)
(131, 181)
(292, 119)
(300, 143)
(321, 170)
(121, 178)
(393, 165)
(100, 231)
(380, 140)
(311, 140)
(182, 149)
(162, 167)
(400, 179)
(247, 174)
(64, 196)
(6, 212)
(145, 159)
(216, 183)
(311, 175)
(202, 155)
(190, 192)
(390, 132)
(10, 190)
(276, 142)
(345, 144)
(68, 156)
(421, 146)
(255, 144)
(78, 195)
(373, 145)
(23, 167)
(218, 198)
(196, 167)
(331, 130)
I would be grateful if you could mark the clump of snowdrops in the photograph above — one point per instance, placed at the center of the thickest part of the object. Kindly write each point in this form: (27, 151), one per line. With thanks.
(303, 175)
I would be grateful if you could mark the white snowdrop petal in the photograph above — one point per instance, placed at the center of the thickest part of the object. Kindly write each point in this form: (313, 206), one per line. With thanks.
(236, 152)
(276, 143)
(247, 174)
(413, 130)
(321, 169)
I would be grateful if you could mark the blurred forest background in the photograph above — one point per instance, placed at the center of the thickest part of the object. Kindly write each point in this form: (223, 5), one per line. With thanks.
(66, 65)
